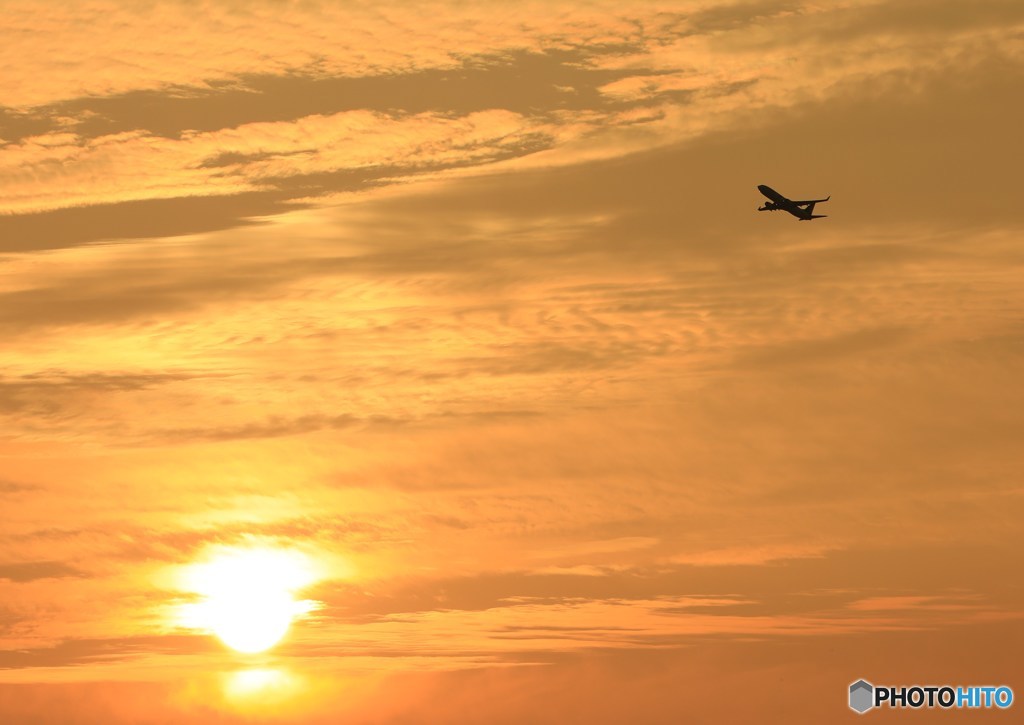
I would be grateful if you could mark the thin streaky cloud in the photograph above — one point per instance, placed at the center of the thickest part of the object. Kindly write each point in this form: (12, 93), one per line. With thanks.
(467, 312)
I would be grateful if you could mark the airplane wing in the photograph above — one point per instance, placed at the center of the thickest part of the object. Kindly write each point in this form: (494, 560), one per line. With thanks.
(811, 201)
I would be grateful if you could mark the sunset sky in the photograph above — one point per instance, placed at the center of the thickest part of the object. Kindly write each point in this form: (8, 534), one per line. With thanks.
(448, 337)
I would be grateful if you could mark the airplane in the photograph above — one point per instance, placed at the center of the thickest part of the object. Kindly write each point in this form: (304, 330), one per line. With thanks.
(802, 210)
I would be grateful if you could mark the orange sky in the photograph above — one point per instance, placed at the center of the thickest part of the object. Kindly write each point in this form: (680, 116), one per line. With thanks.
(467, 308)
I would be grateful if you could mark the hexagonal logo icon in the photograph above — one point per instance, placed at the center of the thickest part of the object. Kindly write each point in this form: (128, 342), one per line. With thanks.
(862, 696)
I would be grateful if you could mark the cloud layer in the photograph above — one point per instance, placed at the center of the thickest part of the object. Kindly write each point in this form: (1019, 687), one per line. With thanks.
(471, 305)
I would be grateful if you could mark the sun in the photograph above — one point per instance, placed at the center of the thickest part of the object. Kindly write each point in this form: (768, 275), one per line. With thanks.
(247, 596)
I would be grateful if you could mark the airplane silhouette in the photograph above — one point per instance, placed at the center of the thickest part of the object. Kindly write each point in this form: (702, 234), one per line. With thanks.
(802, 210)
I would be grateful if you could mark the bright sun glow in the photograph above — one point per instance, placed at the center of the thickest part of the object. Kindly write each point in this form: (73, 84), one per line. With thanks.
(247, 596)
(260, 685)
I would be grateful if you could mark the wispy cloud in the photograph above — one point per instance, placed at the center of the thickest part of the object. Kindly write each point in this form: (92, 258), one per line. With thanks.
(32, 570)
(471, 305)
